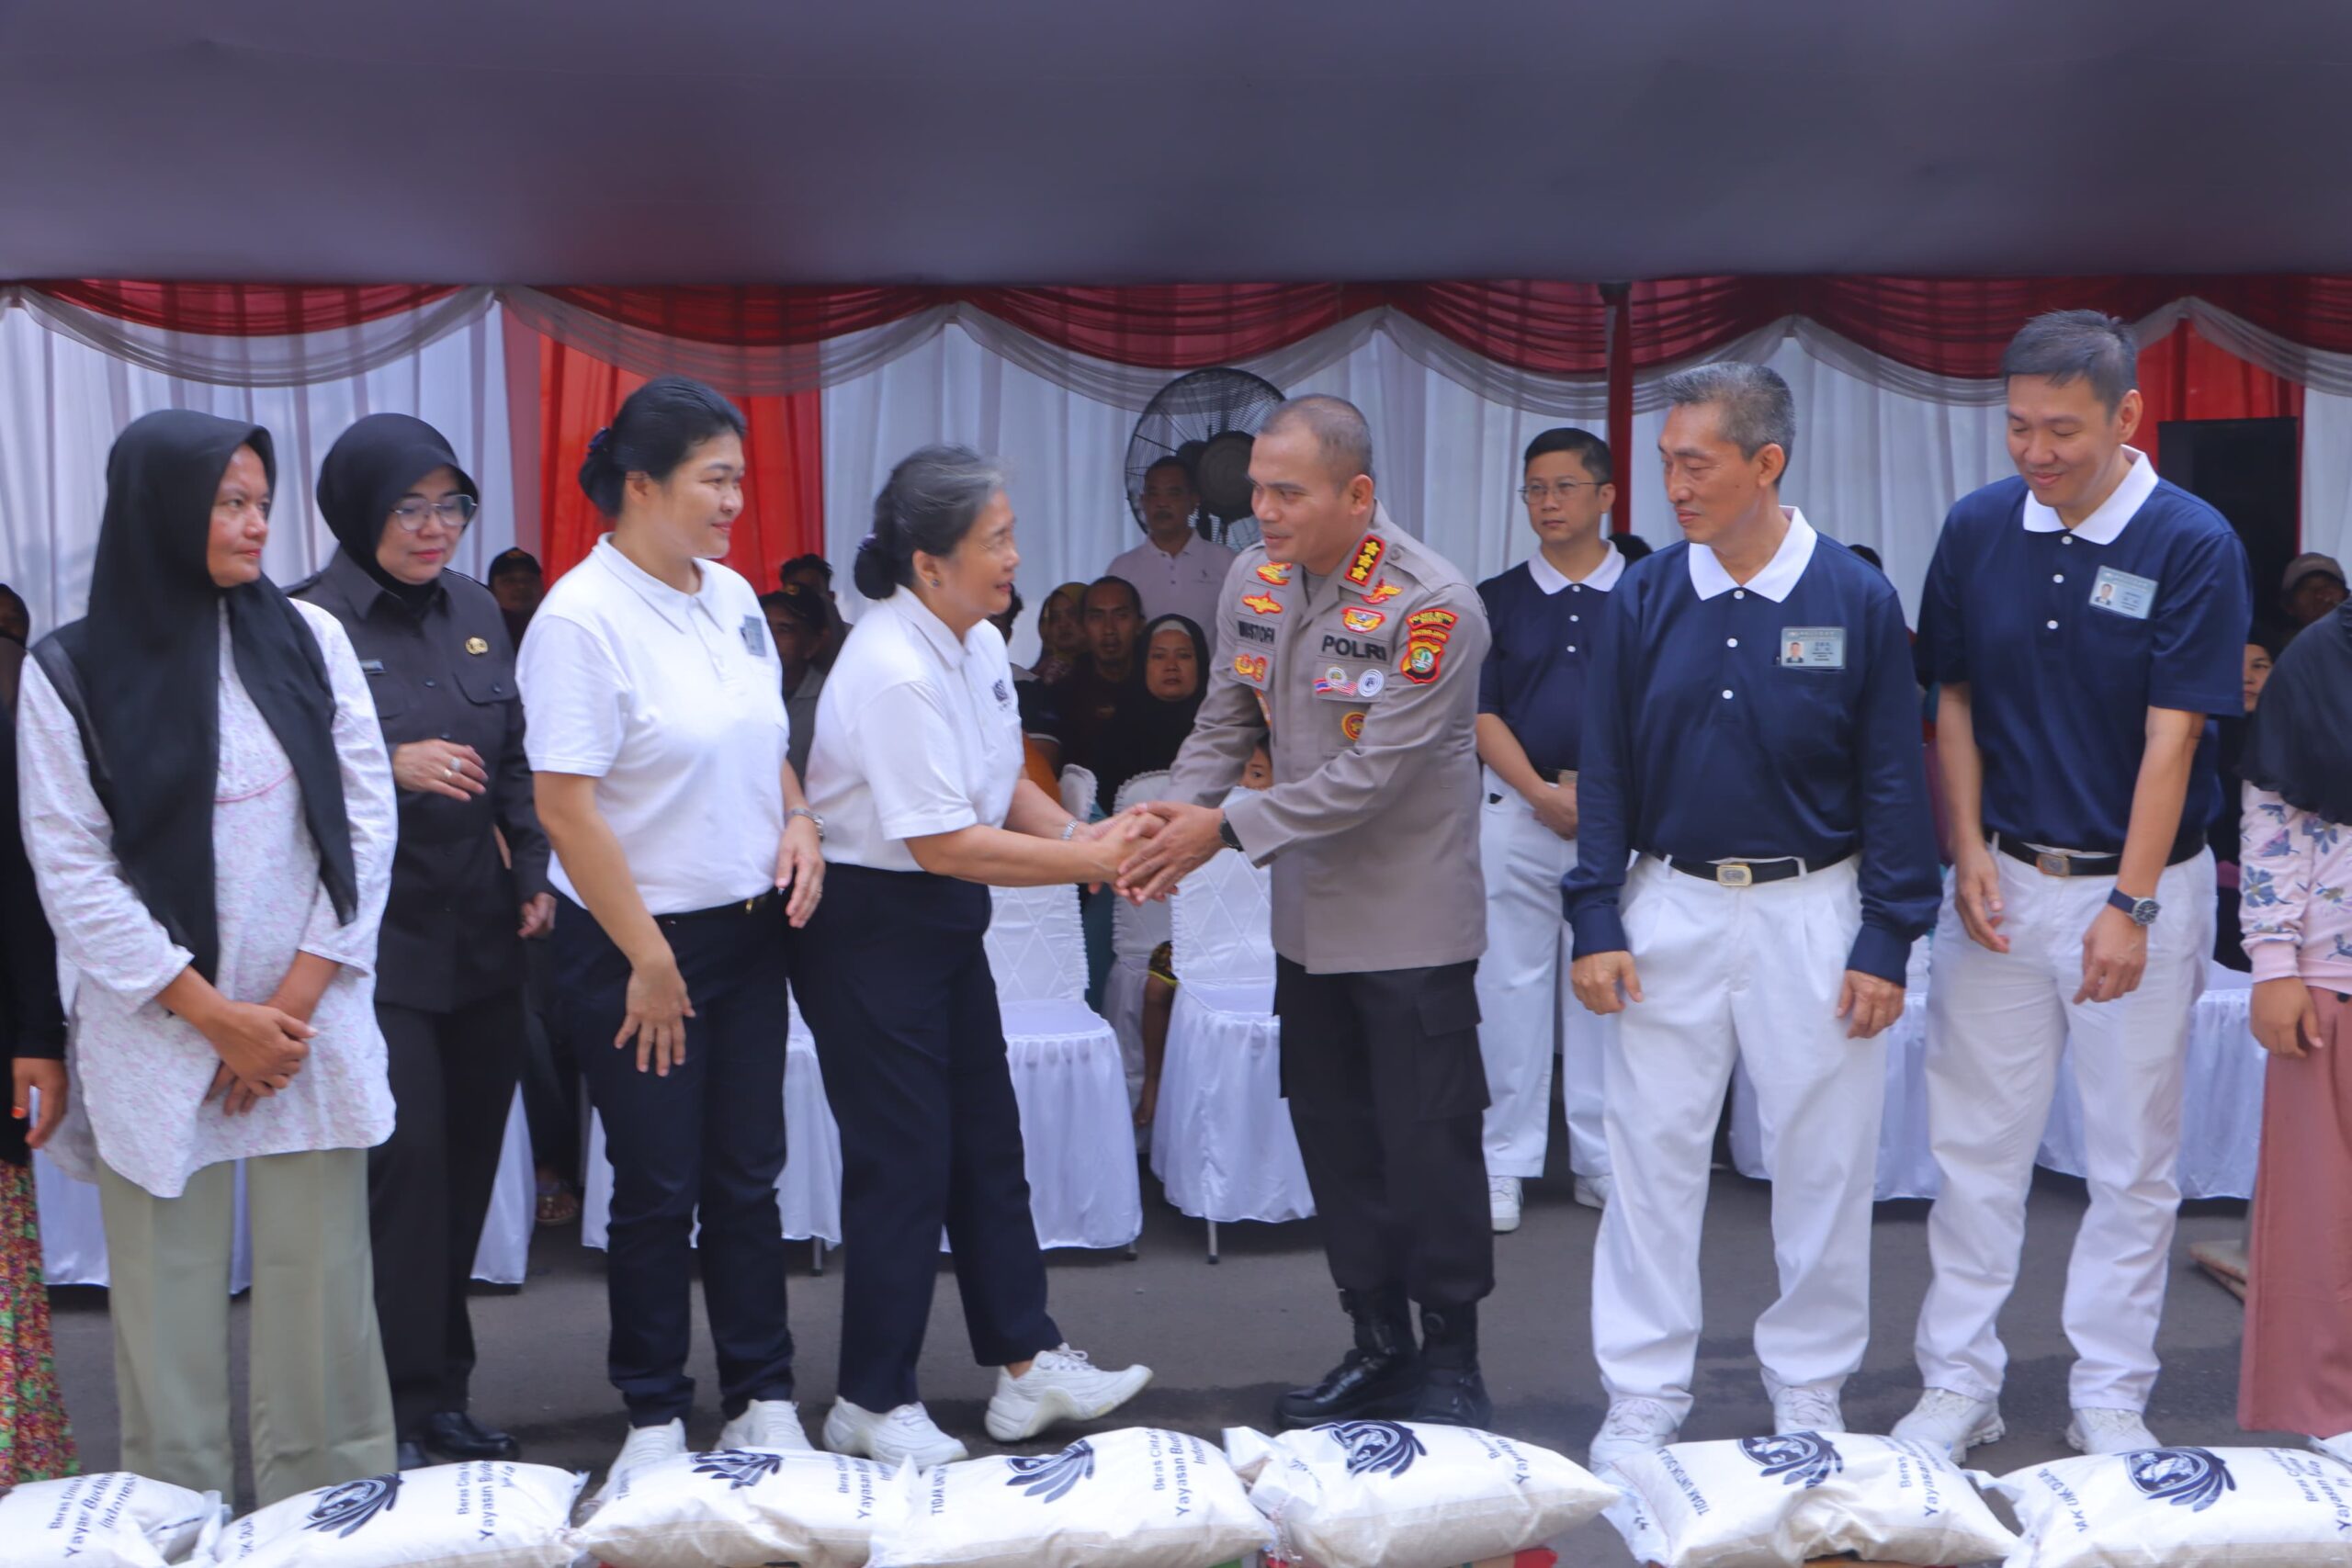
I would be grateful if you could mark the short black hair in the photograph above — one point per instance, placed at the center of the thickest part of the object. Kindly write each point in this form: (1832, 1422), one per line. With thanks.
(1133, 594)
(2063, 346)
(1176, 463)
(507, 562)
(656, 427)
(1340, 429)
(810, 562)
(1633, 546)
(1869, 555)
(1582, 445)
(802, 602)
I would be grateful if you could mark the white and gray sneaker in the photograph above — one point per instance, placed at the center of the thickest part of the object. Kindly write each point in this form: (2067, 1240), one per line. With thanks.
(766, 1424)
(645, 1445)
(1592, 1192)
(1808, 1407)
(1503, 1203)
(894, 1437)
(1061, 1384)
(1634, 1427)
(2109, 1432)
(1947, 1419)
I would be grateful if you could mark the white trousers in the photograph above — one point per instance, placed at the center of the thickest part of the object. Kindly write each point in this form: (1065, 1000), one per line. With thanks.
(1527, 1011)
(1748, 975)
(1996, 1026)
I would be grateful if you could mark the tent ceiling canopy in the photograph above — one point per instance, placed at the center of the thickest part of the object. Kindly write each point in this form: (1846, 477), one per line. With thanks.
(1080, 141)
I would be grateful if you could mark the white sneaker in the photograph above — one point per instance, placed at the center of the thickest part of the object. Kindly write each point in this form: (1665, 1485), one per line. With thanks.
(1503, 1203)
(1952, 1421)
(904, 1434)
(1061, 1384)
(2109, 1432)
(1808, 1408)
(645, 1445)
(766, 1424)
(1634, 1427)
(1593, 1191)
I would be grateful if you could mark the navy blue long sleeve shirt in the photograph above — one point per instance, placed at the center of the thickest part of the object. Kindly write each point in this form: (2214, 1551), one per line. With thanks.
(1757, 722)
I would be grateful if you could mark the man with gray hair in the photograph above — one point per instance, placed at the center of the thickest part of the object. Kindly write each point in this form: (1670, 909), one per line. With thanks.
(1751, 746)
(2081, 620)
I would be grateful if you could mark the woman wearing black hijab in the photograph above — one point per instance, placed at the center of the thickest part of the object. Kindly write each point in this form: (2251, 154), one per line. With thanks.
(208, 812)
(1172, 675)
(450, 969)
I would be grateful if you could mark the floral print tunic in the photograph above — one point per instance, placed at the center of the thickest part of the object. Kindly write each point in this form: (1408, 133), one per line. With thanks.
(2295, 893)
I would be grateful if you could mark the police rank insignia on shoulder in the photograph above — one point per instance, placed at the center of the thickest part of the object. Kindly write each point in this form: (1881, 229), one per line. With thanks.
(1276, 572)
(1426, 635)
(1381, 593)
(1261, 604)
(1369, 549)
(477, 645)
(1362, 620)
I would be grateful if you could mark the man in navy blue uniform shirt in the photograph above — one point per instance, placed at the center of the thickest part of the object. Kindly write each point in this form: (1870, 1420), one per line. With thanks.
(1751, 733)
(1543, 614)
(2082, 620)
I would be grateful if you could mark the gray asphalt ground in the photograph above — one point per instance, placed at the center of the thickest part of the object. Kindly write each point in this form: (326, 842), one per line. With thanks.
(1224, 1340)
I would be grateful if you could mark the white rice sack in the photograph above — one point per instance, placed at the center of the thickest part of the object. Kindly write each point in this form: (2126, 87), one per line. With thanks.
(112, 1520)
(485, 1515)
(739, 1506)
(1403, 1494)
(2185, 1508)
(1133, 1498)
(1777, 1502)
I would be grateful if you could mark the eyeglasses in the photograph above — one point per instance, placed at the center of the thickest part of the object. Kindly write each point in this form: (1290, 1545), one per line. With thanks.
(1536, 489)
(453, 513)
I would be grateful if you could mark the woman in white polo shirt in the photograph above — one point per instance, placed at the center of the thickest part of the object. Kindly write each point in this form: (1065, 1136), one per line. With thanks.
(683, 847)
(917, 768)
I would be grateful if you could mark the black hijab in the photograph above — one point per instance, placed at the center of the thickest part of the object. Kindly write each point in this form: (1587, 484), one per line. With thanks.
(1147, 731)
(147, 659)
(369, 469)
(2298, 741)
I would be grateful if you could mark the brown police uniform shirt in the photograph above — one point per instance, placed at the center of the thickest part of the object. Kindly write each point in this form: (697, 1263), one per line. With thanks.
(1370, 693)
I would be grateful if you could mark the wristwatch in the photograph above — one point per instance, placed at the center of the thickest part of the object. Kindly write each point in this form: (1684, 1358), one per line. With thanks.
(803, 811)
(2142, 910)
(1225, 835)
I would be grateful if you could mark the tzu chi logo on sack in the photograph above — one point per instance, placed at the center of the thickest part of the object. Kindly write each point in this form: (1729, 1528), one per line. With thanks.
(1050, 1477)
(738, 1467)
(346, 1508)
(2187, 1478)
(1799, 1459)
(1376, 1447)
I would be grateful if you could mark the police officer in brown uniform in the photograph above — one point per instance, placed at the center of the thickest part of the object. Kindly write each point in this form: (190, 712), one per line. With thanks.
(1353, 652)
(449, 961)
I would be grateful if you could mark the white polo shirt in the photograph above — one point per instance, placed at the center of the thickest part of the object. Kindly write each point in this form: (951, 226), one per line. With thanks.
(917, 733)
(1186, 584)
(673, 704)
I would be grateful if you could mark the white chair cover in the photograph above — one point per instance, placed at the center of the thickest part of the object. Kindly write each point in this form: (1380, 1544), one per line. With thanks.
(809, 1193)
(1135, 931)
(1075, 1124)
(1222, 1143)
(1078, 792)
(74, 1231)
(2221, 1119)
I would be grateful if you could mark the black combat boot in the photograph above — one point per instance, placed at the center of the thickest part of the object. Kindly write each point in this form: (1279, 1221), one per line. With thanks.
(1380, 1376)
(1452, 1394)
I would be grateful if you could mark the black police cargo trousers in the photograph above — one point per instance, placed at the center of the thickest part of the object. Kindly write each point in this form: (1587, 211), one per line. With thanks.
(453, 1077)
(702, 1144)
(895, 984)
(1387, 1093)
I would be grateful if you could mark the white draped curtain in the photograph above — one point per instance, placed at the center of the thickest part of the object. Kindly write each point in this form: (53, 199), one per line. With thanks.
(63, 399)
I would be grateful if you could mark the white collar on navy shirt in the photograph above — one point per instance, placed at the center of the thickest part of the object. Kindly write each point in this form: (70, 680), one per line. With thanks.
(934, 631)
(665, 601)
(1601, 579)
(1708, 577)
(2103, 525)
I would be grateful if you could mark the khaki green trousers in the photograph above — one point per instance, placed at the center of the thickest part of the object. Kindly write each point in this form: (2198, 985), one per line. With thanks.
(321, 1408)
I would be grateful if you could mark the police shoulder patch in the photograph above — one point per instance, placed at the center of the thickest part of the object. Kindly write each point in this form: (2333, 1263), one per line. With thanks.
(1275, 573)
(1366, 559)
(1261, 604)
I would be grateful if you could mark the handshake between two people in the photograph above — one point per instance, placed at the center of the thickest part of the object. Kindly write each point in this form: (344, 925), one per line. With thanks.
(1152, 846)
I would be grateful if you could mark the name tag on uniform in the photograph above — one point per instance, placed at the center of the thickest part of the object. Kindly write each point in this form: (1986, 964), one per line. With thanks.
(756, 635)
(1813, 647)
(2123, 593)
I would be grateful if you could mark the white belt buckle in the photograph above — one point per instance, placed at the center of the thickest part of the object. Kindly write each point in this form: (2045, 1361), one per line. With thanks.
(1735, 875)
(2051, 864)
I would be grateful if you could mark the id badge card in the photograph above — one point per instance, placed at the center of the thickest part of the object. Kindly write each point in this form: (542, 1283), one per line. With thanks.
(754, 632)
(2121, 594)
(1813, 647)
